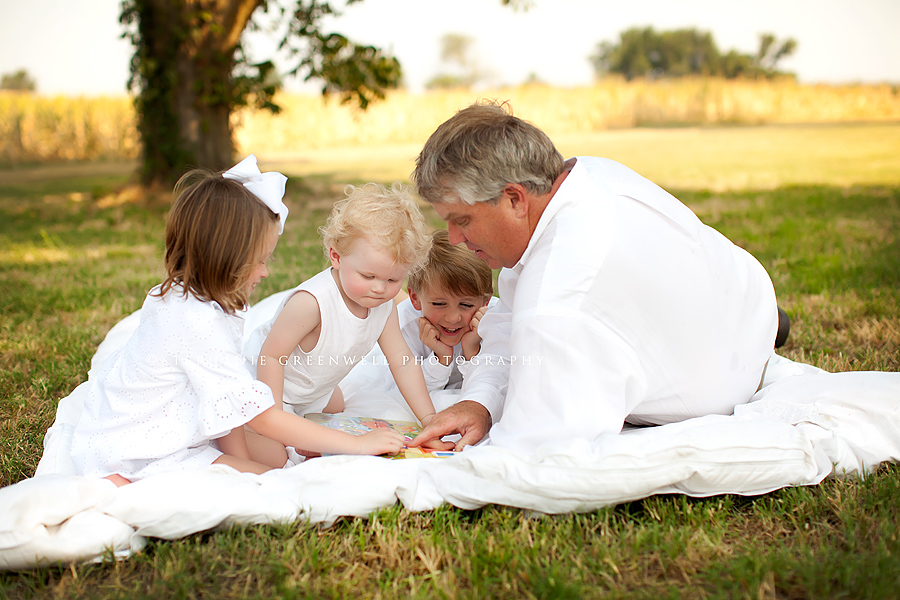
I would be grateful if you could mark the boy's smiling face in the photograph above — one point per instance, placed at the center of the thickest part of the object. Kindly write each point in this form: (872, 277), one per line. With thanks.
(449, 313)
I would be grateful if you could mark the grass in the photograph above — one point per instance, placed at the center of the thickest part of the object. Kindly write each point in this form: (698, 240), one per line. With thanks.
(71, 268)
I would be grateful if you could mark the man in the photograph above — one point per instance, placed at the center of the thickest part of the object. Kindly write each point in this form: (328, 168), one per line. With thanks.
(617, 304)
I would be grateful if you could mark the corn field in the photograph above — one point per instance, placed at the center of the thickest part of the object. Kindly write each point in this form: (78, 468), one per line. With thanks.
(37, 129)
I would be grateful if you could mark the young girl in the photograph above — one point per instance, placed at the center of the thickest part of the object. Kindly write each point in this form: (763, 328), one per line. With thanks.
(373, 239)
(441, 322)
(178, 394)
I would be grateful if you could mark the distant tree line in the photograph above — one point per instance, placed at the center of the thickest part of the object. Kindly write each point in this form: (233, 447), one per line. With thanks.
(20, 81)
(644, 52)
(460, 62)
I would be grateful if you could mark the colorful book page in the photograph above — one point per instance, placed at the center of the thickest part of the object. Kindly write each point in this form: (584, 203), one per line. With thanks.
(360, 425)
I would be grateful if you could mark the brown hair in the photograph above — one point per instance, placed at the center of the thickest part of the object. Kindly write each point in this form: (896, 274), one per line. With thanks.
(387, 217)
(473, 155)
(454, 269)
(215, 234)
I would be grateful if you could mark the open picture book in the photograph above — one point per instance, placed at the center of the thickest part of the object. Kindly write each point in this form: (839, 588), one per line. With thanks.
(360, 425)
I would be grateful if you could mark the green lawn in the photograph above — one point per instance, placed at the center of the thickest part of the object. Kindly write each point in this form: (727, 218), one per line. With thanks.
(822, 215)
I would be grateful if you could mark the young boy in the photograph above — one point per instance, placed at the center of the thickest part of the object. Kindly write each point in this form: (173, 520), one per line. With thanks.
(439, 320)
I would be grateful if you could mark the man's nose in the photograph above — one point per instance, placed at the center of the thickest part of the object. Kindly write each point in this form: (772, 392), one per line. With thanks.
(454, 234)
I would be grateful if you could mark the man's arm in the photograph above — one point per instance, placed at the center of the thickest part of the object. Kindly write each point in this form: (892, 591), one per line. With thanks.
(485, 376)
(570, 377)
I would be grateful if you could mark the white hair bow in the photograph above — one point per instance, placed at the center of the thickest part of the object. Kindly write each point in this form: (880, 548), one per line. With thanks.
(268, 187)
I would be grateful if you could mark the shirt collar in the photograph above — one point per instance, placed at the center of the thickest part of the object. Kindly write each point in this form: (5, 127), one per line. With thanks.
(565, 194)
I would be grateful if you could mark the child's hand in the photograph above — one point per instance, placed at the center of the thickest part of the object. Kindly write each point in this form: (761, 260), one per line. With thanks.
(380, 441)
(426, 419)
(471, 341)
(429, 335)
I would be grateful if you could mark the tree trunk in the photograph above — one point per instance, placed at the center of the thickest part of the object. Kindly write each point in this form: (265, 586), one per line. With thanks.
(203, 105)
(187, 91)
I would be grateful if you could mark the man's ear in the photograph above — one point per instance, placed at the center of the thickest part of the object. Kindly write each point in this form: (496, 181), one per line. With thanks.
(335, 258)
(518, 198)
(414, 299)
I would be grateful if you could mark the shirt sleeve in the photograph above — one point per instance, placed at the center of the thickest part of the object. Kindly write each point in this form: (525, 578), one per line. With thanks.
(570, 377)
(485, 376)
(436, 374)
(216, 370)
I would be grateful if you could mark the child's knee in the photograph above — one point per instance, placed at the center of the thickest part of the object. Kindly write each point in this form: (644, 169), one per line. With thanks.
(266, 450)
(242, 464)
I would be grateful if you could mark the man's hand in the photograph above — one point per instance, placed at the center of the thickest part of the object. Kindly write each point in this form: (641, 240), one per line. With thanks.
(467, 418)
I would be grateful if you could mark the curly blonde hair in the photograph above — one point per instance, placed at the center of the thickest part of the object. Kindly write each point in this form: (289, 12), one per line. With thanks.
(388, 218)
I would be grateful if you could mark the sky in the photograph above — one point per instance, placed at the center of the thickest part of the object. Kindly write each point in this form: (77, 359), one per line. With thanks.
(74, 47)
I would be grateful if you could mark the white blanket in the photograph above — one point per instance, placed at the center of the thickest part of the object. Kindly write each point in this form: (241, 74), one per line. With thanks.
(803, 425)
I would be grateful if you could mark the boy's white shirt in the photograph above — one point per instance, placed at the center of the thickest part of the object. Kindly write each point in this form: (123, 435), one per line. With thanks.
(487, 387)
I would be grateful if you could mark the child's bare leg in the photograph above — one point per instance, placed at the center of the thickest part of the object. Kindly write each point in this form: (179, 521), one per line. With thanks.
(118, 479)
(336, 402)
(242, 464)
(265, 450)
(234, 443)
